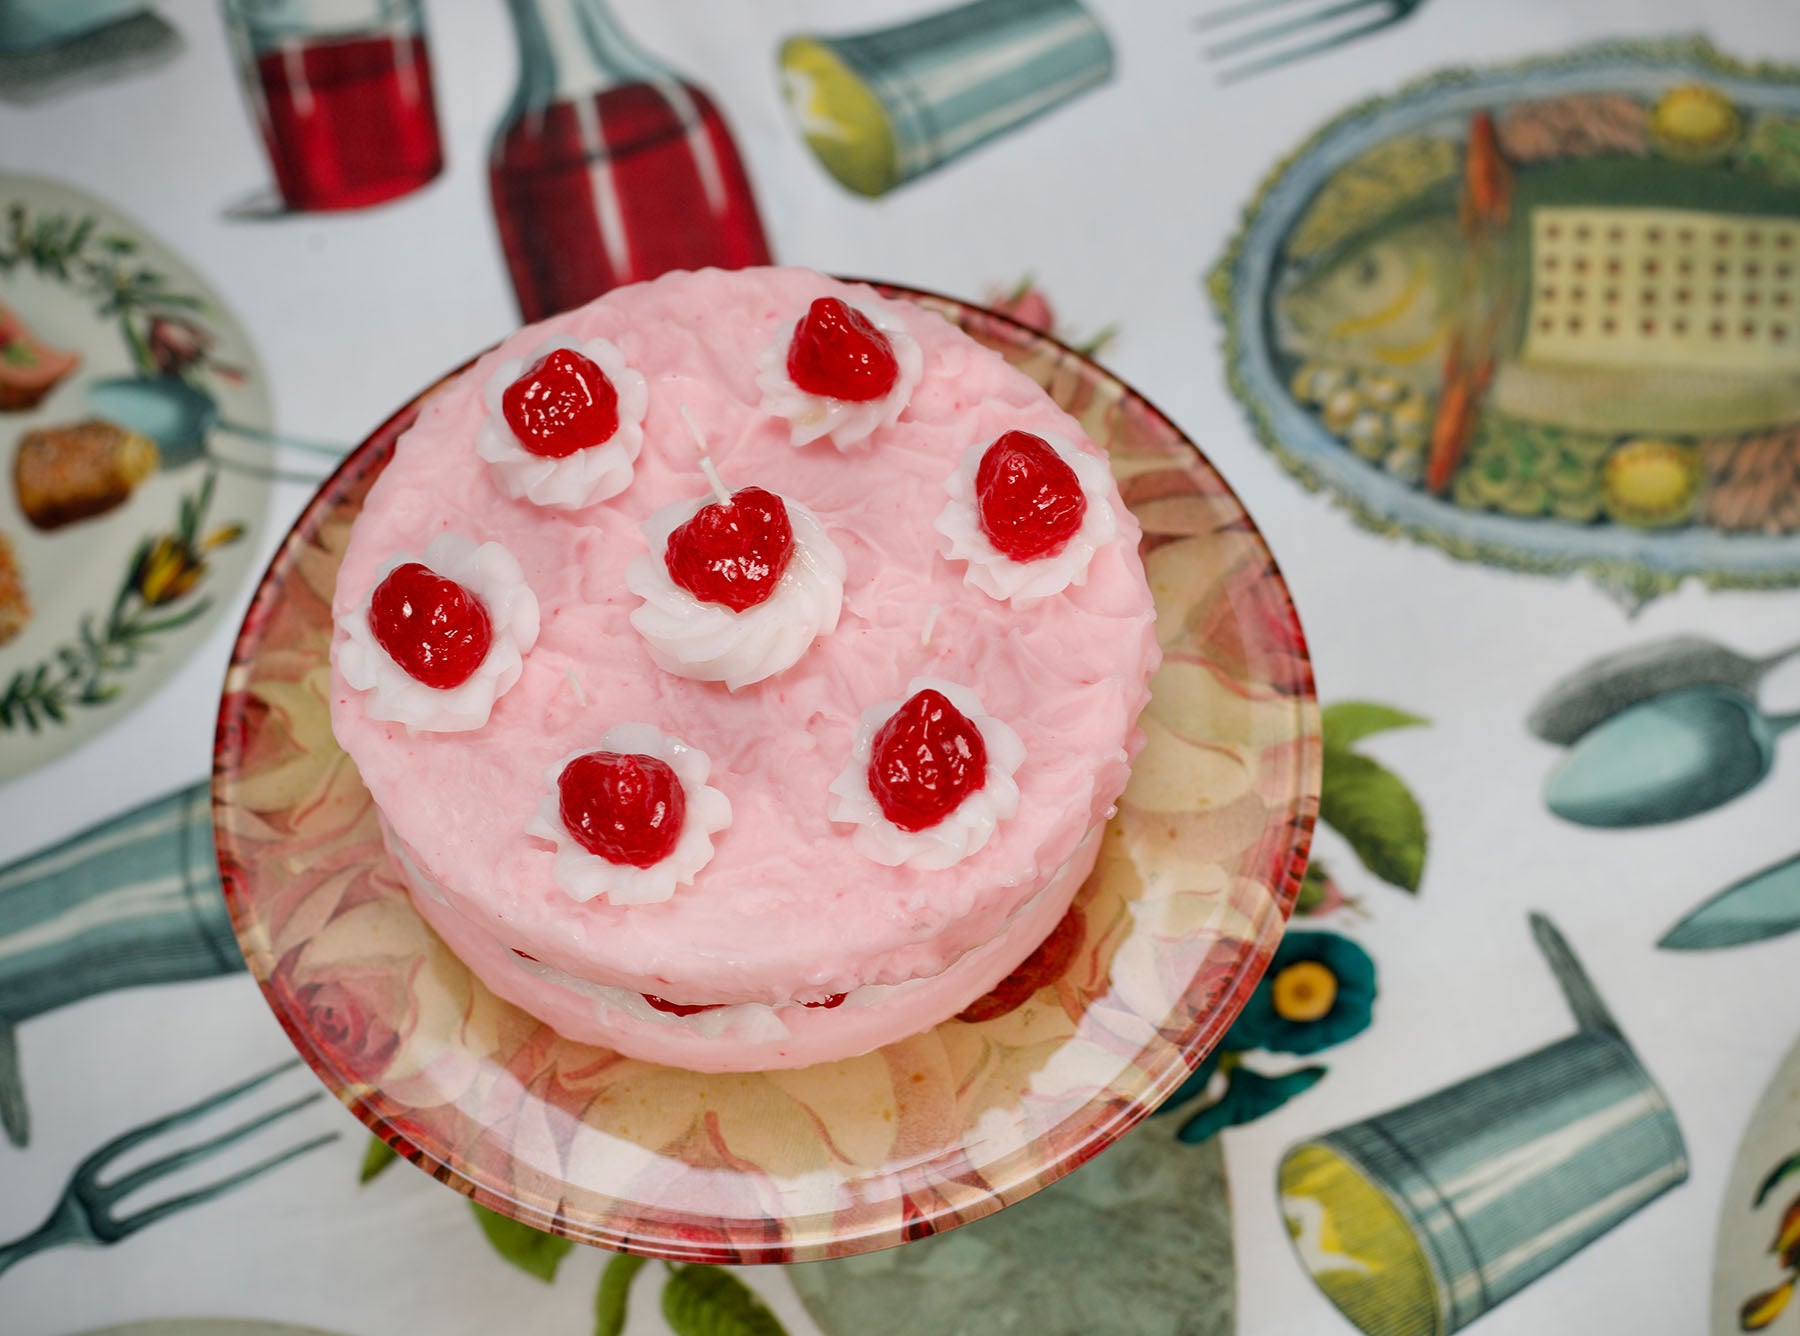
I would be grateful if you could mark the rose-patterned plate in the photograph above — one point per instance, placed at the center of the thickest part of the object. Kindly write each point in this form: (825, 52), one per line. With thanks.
(1162, 948)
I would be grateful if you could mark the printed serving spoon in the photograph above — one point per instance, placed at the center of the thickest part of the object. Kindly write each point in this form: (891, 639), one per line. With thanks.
(1597, 691)
(180, 418)
(1667, 758)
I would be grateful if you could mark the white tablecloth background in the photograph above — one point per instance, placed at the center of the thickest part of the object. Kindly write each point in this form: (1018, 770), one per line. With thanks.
(1118, 204)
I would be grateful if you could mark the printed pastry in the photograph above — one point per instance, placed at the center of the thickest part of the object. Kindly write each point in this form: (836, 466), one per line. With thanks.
(743, 667)
(15, 605)
(64, 474)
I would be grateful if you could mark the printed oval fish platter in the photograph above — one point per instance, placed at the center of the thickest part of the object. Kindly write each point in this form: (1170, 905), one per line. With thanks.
(1544, 316)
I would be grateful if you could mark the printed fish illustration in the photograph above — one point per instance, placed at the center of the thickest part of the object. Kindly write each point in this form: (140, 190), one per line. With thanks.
(1619, 305)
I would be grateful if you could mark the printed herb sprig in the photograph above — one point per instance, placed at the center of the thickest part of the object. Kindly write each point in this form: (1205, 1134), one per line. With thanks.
(697, 1300)
(1760, 1310)
(152, 600)
(102, 266)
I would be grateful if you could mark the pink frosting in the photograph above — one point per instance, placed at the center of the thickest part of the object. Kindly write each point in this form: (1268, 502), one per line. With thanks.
(788, 908)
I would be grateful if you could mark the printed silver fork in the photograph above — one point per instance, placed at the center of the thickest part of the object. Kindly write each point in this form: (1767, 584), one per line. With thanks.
(86, 1212)
(1381, 14)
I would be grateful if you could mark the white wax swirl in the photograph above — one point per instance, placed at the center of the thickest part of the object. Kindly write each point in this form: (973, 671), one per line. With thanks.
(576, 480)
(962, 831)
(587, 876)
(848, 422)
(493, 576)
(709, 642)
(1024, 582)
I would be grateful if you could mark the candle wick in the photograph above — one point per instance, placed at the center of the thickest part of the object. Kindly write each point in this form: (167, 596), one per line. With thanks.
(930, 621)
(706, 465)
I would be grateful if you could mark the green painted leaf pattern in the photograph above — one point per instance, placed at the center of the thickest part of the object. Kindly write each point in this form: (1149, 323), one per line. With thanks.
(1376, 813)
(615, 1292)
(531, 1250)
(710, 1301)
(1349, 722)
(1249, 1096)
(377, 1156)
(1786, 1169)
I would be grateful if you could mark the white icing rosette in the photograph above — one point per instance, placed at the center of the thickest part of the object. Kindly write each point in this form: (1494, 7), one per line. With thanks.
(848, 422)
(1023, 582)
(586, 876)
(492, 575)
(966, 828)
(708, 642)
(575, 480)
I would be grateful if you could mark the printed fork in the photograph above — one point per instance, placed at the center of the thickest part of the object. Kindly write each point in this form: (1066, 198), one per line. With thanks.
(87, 1212)
(1380, 14)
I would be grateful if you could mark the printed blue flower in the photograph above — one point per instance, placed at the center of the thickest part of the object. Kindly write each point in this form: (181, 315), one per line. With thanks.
(1319, 991)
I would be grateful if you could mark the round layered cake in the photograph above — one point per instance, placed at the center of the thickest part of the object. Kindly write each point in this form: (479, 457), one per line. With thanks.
(743, 667)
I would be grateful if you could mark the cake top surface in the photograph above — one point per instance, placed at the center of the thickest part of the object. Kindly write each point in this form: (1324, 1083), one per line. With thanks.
(788, 907)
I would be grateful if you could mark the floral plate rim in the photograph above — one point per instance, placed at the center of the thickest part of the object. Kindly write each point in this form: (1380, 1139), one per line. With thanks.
(1009, 1176)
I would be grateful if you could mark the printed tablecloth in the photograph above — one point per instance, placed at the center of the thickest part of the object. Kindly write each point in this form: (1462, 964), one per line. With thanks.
(1491, 317)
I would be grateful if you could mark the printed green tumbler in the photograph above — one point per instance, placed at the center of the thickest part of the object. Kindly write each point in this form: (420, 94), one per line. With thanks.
(1418, 1220)
(882, 107)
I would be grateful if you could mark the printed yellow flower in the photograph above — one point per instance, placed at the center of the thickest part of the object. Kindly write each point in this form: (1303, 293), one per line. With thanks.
(171, 567)
(1304, 991)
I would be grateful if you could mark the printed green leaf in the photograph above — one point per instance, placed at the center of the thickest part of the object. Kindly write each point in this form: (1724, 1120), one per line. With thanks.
(614, 1293)
(378, 1156)
(1349, 722)
(1314, 885)
(1785, 1169)
(531, 1250)
(710, 1301)
(1376, 813)
(1248, 1097)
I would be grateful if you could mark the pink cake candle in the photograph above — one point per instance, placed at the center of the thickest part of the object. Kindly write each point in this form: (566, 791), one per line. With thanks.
(897, 752)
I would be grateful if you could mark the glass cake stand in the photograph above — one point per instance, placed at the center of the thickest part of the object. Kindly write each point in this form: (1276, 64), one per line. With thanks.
(1160, 952)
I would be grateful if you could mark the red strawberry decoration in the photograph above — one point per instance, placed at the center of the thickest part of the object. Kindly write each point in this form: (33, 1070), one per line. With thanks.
(623, 808)
(435, 629)
(1028, 500)
(837, 352)
(925, 760)
(563, 403)
(734, 551)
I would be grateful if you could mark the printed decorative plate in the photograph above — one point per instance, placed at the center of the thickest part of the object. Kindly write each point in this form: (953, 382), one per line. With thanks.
(96, 611)
(1756, 1255)
(1163, 947)
(1632, 291)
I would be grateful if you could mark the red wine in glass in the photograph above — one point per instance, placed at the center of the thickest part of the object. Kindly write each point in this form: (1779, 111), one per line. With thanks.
(617, 186)
(348, 121)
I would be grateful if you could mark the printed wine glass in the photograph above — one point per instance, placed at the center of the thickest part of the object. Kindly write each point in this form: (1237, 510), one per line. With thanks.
(341, 93)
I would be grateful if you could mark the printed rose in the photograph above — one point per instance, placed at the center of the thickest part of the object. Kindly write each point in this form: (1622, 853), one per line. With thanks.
(359, 1039)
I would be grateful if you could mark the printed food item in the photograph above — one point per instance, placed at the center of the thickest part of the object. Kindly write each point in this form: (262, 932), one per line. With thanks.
(1772, 148)
(785, 772)
(15, 604)
(1578, 125)
(1372, 188)
(1753, 483)
(64, 474)
(1695, 122)
(1651, 484)
(29, 368)
(1639, 357)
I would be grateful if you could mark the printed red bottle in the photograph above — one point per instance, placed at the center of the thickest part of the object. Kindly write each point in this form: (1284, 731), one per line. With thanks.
(608, 167)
